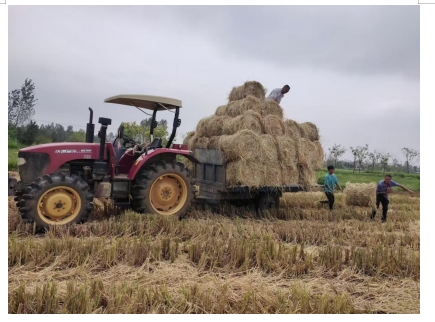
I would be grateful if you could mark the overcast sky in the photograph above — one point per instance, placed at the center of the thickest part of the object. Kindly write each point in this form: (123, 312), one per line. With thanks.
(354, 71)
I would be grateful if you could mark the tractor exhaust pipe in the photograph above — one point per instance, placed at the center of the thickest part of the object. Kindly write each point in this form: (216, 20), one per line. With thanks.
(101, 166)
(90, 128)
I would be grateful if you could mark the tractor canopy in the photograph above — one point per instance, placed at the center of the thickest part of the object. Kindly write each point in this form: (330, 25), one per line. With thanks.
(152, 103)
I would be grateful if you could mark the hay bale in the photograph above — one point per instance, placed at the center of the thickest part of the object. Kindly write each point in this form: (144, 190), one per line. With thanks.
(287, 151)
(273, 125)
(221, 110)
(272, 174)
(242, 145)
(249, 120)
(188, 138)
(307, 177)
(318, 156)
(199, 142)
(213, 143)
(237, 108)
(270, 107)
(360, 194)
(248, 88)
(290, 174)
(244, 172)
(293, 129)
(211, 126)
(310, 131)
(189, 165)
(306, 153)
(14, 174)
(269, 149)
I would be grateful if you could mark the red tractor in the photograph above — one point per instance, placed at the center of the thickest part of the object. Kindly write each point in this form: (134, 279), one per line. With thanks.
(60, 180)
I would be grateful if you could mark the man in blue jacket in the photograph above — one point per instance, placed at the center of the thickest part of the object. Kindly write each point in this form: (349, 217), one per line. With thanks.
(383, 189)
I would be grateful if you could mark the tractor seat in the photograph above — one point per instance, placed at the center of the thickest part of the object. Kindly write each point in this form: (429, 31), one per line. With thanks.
(156, 144)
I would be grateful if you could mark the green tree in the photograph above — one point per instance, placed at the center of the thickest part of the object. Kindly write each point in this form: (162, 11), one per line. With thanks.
(140, 133)
(28, 133)
(77, 136)
(21, 104)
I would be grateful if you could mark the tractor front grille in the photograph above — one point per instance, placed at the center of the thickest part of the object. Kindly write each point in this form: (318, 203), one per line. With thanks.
(35, 165)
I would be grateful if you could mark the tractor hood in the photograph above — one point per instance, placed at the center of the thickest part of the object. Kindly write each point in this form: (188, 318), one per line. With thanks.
(35, 161)
(63, 147)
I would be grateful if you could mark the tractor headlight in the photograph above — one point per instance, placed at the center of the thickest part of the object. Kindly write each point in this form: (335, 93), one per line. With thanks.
(21, 161)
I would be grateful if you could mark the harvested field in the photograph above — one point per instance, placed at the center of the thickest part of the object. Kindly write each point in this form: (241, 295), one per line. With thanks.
(300, 259)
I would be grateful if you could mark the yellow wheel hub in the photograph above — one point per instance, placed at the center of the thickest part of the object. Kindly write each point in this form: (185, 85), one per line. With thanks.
(168, 194)
(59, 205)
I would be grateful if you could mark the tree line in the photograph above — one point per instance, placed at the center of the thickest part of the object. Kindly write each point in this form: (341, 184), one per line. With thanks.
(363, 158)
(24, 130)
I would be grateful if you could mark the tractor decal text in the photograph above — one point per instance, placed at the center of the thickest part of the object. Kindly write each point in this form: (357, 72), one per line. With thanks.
(73, 151)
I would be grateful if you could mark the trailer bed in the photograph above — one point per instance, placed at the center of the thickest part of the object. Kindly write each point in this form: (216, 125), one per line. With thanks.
(209, 176)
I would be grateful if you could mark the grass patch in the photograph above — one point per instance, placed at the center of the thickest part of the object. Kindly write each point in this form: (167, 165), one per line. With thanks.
(412, 181)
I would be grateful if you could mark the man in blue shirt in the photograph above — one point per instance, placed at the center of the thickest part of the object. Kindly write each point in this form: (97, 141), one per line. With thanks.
(329, 185)
(383, 189)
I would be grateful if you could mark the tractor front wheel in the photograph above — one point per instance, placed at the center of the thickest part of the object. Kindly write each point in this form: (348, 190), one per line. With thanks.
(56, 199)
(164, 189)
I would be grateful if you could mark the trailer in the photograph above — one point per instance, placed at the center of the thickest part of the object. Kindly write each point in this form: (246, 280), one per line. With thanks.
(209, 177)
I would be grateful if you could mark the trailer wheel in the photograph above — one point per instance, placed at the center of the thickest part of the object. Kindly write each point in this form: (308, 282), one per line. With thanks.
(267, 202)
(56, 199)
(164, 189)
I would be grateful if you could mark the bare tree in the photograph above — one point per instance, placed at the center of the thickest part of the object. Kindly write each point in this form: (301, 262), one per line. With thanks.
(374, 157)
(359, 154)
(395, 163)
(384, 157)
(410, 156)
(336, 151)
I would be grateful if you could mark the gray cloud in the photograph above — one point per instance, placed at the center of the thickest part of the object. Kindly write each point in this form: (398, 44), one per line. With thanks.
(351, 69)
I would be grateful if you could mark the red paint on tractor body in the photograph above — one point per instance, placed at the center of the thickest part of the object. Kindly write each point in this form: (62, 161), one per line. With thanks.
(61, 153)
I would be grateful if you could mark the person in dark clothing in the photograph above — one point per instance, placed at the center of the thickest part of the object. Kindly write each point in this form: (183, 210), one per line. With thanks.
(329, 185)
(383, 189)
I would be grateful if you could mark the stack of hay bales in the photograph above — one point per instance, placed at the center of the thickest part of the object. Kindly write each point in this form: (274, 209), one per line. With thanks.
(260, 146)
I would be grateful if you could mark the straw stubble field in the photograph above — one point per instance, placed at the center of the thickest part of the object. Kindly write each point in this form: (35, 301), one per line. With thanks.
(300, 259)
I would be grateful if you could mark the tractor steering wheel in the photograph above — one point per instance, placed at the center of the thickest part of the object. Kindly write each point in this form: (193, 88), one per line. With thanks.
(128, 142)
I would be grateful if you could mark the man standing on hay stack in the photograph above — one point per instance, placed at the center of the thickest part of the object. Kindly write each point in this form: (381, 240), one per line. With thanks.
(329, 184)
(384, 188)
(278, 93)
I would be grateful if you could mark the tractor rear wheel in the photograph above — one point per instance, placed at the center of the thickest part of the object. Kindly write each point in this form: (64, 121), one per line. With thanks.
(56, 199)
(164, 189)
(267, 202)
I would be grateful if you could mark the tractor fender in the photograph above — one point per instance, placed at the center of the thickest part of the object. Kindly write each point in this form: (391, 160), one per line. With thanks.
(163, 154)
